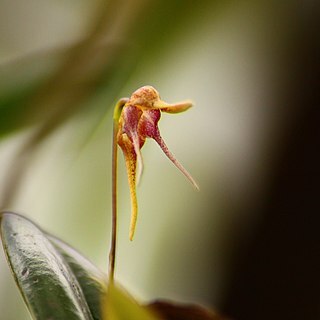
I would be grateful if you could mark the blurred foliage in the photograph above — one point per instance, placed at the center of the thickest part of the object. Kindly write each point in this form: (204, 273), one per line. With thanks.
(119, 305)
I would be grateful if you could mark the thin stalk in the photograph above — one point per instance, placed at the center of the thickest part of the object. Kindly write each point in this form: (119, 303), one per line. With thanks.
(112, 253)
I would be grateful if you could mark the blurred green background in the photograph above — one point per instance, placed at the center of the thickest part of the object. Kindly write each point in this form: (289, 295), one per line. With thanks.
(64, 64)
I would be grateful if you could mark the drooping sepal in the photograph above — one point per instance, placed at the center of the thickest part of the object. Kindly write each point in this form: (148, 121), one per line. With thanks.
(131, 164)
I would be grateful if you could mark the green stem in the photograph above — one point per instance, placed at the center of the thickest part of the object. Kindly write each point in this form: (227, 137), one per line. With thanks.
(112, 254)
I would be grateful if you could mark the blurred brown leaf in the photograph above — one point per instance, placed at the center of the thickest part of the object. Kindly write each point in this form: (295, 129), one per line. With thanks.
(173, 311)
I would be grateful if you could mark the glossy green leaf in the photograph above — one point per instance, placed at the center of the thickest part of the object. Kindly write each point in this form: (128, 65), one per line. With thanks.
(90, 278)
(119, 305)
(47, 283)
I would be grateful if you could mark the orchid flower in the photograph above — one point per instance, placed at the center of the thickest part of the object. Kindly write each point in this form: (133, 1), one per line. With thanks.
(136, 119)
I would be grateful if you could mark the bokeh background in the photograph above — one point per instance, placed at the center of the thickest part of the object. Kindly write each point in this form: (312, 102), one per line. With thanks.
(247, 244)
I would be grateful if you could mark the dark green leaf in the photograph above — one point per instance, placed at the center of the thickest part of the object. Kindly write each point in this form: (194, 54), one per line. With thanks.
(90, 278)
(47, 284)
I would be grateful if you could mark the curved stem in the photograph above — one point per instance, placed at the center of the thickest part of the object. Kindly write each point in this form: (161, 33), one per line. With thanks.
(112, 253)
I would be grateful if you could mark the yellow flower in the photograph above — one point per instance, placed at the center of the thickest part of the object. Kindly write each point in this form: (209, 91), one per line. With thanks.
(138, 120)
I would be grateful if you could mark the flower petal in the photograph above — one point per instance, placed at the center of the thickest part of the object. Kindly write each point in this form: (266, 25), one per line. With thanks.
(130, 119)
